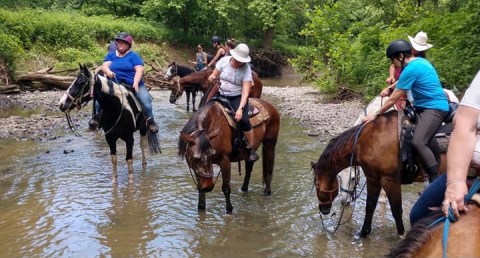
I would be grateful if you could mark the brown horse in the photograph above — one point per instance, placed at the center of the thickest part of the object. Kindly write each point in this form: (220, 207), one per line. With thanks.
(200, 80)
(377, 151)
(208, 139)
(424, 240)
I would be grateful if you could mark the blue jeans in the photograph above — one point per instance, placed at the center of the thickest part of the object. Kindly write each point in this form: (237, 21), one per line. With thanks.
(432, 197)
(143, 96)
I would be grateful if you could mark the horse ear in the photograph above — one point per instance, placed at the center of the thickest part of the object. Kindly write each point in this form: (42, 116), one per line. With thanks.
(187, 137)
(213, 134)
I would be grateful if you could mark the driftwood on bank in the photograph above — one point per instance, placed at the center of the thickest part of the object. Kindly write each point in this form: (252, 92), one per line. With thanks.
(44, 80)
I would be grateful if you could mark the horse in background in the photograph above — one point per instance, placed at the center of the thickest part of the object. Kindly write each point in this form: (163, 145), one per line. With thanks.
(121, 115)
(375, 147)
(208, 139)
(173, 70)
(425, 239)
(200, 78)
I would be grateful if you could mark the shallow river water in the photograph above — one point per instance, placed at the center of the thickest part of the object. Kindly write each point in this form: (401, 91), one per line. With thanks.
(54, 204)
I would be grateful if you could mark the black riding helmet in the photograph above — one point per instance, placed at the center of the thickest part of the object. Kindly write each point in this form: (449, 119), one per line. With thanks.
(397, 47)
(216, 39)
(123, 36)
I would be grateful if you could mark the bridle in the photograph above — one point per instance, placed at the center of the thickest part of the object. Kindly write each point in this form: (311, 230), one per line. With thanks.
(179, 92)
(77, 99)
(330, 193)
(190, 164)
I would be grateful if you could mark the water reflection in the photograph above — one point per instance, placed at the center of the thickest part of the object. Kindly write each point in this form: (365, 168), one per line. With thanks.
(56, 204)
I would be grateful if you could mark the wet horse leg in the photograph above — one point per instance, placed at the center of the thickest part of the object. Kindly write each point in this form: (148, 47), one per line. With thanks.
(187, 92)
(268, 162)
(225, 167)
(373, 191)
(112, 144)
(143, 147)
(394, 194)
(129, 144)
(194, 96)
(248, 174)
(201, 197)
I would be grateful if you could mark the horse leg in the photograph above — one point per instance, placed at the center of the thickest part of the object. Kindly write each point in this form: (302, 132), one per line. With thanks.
(248, 173)
(112, 144)
(194, 96)
(201, 198)
(373, 191)
(129, 144)
(268, 161)
(143, 147)
(225, 167)
(394, 194)
(188, 99)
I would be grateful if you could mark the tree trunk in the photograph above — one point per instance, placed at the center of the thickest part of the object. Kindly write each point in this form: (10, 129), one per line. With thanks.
(43, 81)
(268, 38)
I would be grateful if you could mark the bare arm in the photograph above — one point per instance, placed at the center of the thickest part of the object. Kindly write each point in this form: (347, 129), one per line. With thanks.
(459, 156)
(243, 101)
(138, 76)
(388, 104)
(106, 69)
(220, 52)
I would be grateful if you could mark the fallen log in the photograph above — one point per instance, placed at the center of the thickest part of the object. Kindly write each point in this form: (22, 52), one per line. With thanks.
(43, 80)
(10, 89)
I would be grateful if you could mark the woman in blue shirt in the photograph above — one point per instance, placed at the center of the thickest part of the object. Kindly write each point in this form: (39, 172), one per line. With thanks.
(431, 104)
(126, 67)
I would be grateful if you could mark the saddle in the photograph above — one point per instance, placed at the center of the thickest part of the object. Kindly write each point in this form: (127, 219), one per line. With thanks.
(438, 144)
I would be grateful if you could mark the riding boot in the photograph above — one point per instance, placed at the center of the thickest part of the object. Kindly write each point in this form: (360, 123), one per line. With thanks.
(252, 154)
(432, 173)
(94, 122)
(151, 125)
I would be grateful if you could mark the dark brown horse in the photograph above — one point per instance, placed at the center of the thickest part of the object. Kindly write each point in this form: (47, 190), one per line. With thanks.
(424, 240)
(175, 69)
(377, 151)
(200, 79)
(208, 139)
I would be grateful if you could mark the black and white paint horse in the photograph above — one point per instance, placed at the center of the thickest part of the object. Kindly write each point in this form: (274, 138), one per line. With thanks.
(121, 115)
(173, 70)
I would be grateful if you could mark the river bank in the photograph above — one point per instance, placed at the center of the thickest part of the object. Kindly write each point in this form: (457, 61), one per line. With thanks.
(35, 116)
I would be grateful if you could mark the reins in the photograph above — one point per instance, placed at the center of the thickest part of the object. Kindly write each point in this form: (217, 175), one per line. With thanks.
(451, 216)
(121, 111)
(77, 101)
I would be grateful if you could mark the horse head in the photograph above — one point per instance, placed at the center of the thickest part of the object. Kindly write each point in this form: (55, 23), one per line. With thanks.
(199, 155)
(176, 91)
(326, 186)
(348, 181)
(172, 70)
(78, 92)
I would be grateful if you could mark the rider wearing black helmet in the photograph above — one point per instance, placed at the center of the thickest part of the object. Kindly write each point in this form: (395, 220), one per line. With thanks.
(216, 41)
(431, 105)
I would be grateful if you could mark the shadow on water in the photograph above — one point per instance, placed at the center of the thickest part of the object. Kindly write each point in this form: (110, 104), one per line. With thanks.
(56, 204)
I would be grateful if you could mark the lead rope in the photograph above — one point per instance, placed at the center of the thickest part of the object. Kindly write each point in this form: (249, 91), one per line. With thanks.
(451, 216)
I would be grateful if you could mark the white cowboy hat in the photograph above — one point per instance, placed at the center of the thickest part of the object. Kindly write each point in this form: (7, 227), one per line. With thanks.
(241, 53)
(419, 43)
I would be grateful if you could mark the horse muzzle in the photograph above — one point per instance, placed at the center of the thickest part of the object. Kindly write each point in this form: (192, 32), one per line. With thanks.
(325, 208)
(205, 184)
(64, 103)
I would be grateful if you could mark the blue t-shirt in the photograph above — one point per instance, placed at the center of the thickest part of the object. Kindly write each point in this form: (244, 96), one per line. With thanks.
(124, 67)
(421, 78)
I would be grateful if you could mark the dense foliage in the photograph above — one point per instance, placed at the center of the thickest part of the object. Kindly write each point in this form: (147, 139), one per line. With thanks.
(33, 39)
(332, 42)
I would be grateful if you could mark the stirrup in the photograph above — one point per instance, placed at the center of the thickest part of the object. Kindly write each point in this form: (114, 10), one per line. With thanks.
(94, 122)
(151, 125)
(252, 154)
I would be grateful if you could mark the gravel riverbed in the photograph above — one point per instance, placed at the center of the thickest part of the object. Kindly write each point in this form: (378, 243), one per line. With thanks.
(35, 115)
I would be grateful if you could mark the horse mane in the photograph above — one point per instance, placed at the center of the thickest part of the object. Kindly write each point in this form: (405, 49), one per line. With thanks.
(341, 146)
(417, 237)
(191, 126)
(197, 78)
(183, 70)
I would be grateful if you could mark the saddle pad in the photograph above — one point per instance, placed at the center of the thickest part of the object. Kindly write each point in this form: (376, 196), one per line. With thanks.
(256, 120)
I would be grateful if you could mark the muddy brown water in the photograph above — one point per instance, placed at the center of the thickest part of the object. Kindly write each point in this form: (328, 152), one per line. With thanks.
(54, 204)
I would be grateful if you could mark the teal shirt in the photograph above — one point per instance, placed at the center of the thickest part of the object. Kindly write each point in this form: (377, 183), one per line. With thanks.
(421, 78)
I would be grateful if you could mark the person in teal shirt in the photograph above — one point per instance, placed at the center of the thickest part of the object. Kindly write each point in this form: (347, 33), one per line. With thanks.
(431, 104)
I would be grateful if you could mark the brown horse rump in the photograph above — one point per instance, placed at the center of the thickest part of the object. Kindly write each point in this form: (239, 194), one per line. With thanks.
(257, 113)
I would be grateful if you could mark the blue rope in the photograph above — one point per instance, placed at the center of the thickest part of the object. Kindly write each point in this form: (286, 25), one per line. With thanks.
(451, 216)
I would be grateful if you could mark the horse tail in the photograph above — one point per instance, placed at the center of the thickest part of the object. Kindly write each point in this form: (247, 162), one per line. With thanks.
(153, 143)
